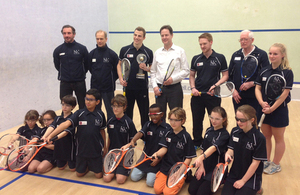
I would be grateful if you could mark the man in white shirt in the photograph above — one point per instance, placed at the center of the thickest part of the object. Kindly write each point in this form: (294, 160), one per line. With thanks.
(171, 93)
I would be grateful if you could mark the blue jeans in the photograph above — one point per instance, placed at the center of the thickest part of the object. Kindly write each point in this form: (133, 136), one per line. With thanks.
(137, 175)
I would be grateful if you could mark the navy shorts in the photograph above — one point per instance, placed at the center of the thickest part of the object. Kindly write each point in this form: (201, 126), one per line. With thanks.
(278, 118)
(93, 164)
(41, 155)
(121, 170)
(62, 163)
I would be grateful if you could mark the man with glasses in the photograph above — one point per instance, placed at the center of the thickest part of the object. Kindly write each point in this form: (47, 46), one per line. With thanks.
(244, 91)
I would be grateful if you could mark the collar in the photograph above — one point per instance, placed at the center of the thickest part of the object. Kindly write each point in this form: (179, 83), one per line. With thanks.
(183, 131)
(70, 44)
(213, 54)
(254, 47)
(132, 47)
(102, 48)
(88, 112)
(171, 48)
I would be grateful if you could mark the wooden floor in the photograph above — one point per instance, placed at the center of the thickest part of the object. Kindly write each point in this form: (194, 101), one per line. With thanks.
(286, 182)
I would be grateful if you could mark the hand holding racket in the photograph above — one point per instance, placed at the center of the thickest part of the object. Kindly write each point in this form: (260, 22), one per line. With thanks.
(125, 66)
(21, 157)
(177, 172)
(112, 159)
(168, 74)
(275, 85)
(136, 156)
(218, 174)
(224, 90)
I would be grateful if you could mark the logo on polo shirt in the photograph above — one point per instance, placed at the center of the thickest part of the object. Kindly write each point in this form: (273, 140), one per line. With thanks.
(97, 122)
(150, 133)
(111, 126)
(213, 63)
(94, 60)
(200, 64)
(264, 78)
(161, 133)
(123, 130)
(179, 145)
(76, 52)
(249, 146)
(62, 54)
(106, 60)
(82, 122)
(129, 55)
(168, 139)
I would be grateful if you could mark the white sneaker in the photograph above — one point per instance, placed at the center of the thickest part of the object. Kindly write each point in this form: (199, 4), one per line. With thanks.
(266, 164)
(272, 168)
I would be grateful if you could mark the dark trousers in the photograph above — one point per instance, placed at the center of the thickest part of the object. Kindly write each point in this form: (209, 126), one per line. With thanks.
(171, 95)
(198, 105)
(200, 187)
(106, 97)
(250, 101)
(228, 189)
(67, 88)
(142, 99)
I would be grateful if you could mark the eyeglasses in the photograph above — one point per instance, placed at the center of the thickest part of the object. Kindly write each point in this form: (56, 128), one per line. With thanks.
(154, 114)
(89, 99)
(241, 40)
(117, 106)
(242, 120)
(212, 118)
(174, 120)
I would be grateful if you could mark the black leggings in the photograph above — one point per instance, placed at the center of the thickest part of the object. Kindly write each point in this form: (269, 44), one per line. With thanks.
(228, 189)
(199, 187)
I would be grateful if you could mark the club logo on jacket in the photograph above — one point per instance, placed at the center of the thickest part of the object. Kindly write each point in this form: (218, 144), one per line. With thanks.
(76, 52)
(200, 64)
(213, 63)
(129, 55)
(161, 133)
(106, 60)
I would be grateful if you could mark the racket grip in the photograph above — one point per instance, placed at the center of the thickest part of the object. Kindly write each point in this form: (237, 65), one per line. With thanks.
(54, 138)
(262, 118)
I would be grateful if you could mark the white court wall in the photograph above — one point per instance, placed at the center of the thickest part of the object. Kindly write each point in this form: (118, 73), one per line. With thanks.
(30, 31)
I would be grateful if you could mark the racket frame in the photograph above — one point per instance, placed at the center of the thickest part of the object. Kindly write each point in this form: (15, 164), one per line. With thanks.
(187, 168)
(220, 166)
(145, 158)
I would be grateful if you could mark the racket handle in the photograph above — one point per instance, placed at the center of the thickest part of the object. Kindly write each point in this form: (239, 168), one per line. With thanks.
(54, 138)
(159, 91)
(262, 118)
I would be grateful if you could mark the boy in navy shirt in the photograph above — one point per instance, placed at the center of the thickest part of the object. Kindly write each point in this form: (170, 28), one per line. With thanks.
(121, 130)
(90, 136)
(151, 134)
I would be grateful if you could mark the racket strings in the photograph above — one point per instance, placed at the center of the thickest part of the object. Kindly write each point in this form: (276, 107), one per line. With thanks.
(248, 67)
(224, 90)
(275, 86)
(170, 70)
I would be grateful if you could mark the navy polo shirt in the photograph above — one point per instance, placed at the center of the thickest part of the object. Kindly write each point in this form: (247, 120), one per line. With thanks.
(88, 138)
(131, 53)
(208, 70)
(246, 147)
(103, 66)
(71, 61)
(219, 139)
(29, 133)
(268, 71)
(180, 147)
(235, 69)
(152, 134)
(65, 147)
(120, 132)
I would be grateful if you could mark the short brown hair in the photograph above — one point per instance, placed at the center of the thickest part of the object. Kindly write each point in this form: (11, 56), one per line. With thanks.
(99, 31)
(68, 26)
(69, 99)
(207, 36)
(168, 27)
(119, 99)
(178, 112)
(139, 28)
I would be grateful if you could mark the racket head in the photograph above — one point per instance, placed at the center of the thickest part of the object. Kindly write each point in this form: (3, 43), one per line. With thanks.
(176, 173)
(224, 90)
(248, 67)
(21, 156)
(125, 66)
(275, 85)
(170, 69)
(10, 141)
(217, 176)
(134, 157)
(111, 160)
